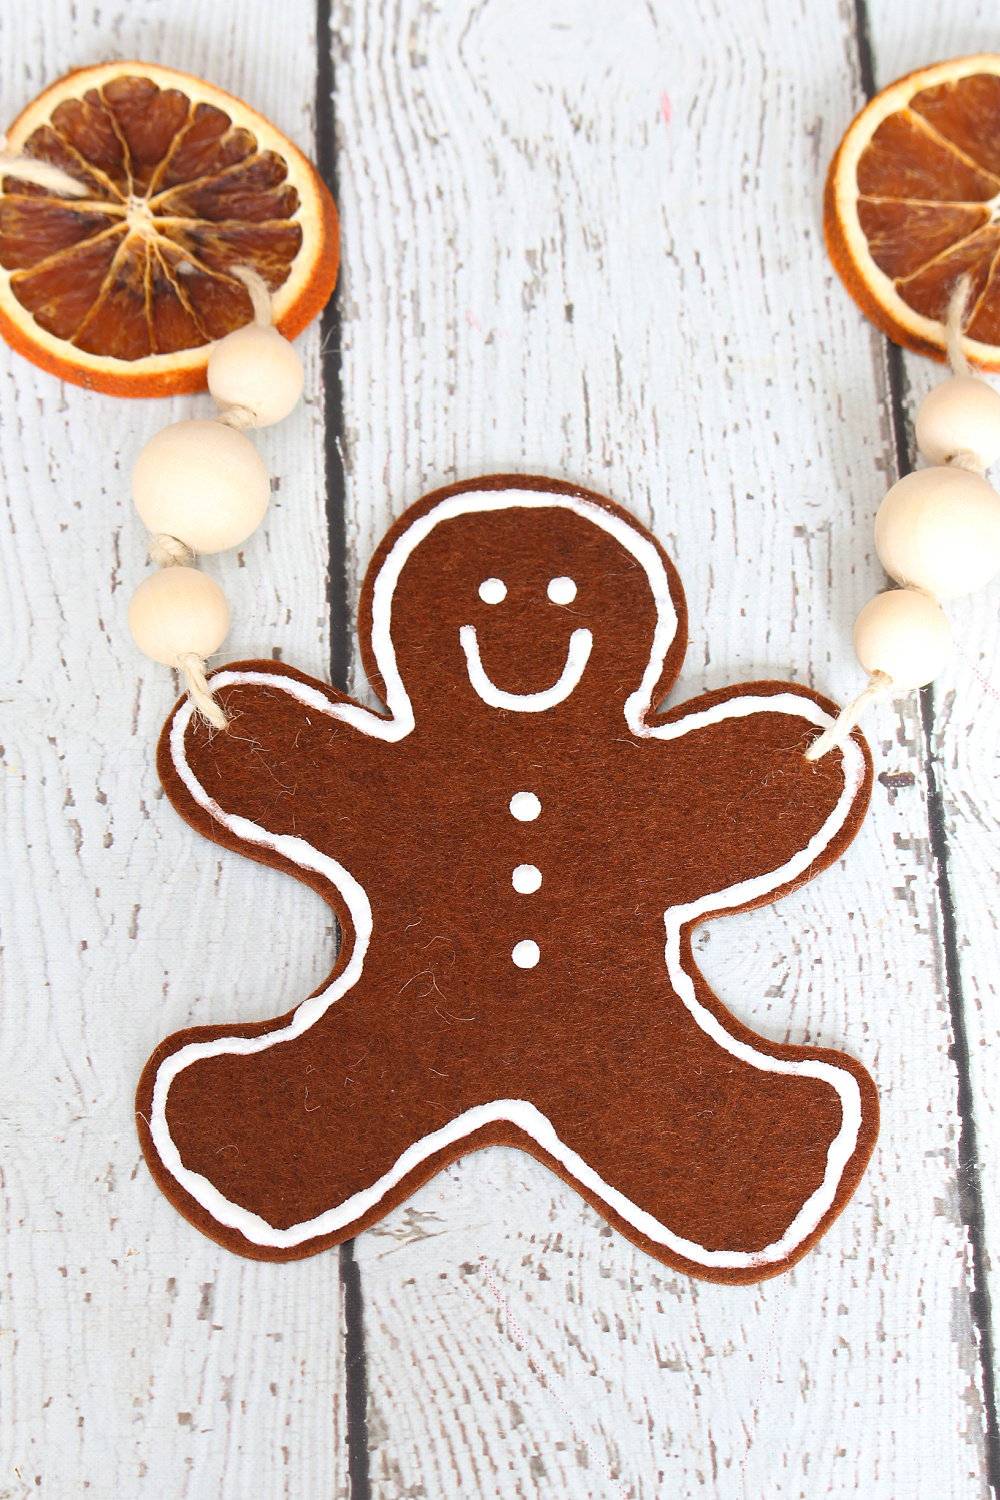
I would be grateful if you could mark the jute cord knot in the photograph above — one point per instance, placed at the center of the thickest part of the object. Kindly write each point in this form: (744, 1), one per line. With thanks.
(238, 417)
(169, 552)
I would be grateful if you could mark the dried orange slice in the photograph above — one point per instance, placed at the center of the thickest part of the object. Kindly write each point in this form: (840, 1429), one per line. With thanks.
(913, 203)
(124, 288)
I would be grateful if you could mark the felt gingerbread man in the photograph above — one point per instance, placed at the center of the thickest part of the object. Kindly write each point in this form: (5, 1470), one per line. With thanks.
(518, 850)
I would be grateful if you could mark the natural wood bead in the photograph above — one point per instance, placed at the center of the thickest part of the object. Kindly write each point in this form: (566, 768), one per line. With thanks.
(178, 610)
(258, 369)
(939, 530)
(961, 416)
(904, 634)
(203, 483)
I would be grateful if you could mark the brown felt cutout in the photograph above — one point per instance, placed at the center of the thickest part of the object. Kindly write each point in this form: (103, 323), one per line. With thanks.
(610, 1060)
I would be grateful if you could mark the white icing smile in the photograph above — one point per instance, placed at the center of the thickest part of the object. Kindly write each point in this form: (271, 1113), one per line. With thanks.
(580, 644)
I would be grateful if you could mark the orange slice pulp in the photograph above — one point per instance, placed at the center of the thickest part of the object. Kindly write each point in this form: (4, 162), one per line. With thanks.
(124, 288)
(913, 203)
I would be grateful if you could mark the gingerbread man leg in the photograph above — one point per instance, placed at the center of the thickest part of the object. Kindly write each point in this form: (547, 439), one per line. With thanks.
(288, 1140)
(716, 1159)
(719, 1153)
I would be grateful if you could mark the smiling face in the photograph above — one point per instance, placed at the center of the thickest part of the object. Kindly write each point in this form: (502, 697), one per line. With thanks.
(560, 591)
(524, 608)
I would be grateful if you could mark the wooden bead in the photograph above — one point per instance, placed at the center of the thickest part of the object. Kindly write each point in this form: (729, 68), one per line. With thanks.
(203, 483)
(960, 416)
(258, 369)
(939, 530)
(177, 610)
(904, 634)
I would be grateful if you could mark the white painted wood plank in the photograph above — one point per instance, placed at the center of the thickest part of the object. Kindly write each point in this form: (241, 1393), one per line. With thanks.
(414, 423)
(544, 274)
(968, 694)
(135, 1356)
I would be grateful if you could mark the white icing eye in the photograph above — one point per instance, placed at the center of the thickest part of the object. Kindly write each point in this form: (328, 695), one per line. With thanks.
(561, 590)
(526, 954)
(494, 590)
(525, 806)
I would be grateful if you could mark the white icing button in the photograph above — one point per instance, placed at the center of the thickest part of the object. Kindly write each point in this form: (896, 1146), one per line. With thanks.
(525, 806)
(526, 878)
(526, 954)
(562, 590)
(492, 590)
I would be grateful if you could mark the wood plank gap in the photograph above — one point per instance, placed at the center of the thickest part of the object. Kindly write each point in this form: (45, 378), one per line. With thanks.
(866, 56)
(897, 386)
(356, 1374)
(970, 1187)
(330, 366)
(355, 1360)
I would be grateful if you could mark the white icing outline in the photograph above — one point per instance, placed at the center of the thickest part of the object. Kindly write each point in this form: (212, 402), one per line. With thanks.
(577, 657)
(519, 1112)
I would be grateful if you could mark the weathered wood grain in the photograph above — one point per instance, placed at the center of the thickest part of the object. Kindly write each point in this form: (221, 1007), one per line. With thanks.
(592, 246)
(135, 1357)
(583, 240)
(967, 696)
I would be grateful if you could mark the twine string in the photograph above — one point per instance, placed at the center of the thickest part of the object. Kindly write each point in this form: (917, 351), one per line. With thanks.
(958, 309)
(169, 552)
(965, 459)
(238, 417)
(260, 294)
(954, 325)
(192, 668)
(879, 688)
(44, 173)
(880, 684)
(242, 417)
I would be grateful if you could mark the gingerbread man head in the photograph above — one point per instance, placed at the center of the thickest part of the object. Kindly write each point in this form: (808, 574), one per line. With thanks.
(518, 850)
(513, 599)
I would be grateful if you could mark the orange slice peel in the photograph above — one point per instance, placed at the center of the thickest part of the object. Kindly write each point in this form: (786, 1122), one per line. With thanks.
(124, 287)
(912, 204)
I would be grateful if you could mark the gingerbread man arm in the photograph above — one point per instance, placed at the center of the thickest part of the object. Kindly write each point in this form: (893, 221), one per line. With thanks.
(288, 734)
(758, 819)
